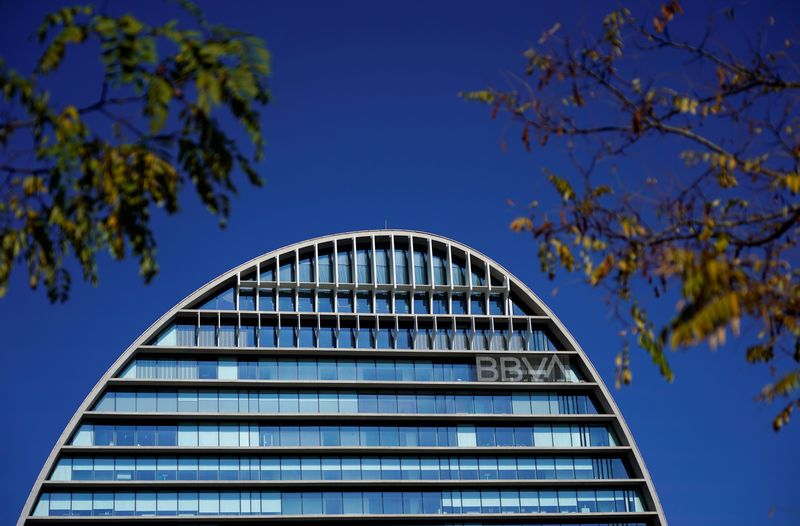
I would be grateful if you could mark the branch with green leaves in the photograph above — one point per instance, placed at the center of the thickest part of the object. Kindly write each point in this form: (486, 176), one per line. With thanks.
(77, 179)
(720, 233)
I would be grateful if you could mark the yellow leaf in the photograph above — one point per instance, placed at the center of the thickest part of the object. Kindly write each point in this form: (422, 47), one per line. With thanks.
(521, 223)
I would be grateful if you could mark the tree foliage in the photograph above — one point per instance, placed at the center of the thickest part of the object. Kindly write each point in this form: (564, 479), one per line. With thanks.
(719, 233)
(79, 179)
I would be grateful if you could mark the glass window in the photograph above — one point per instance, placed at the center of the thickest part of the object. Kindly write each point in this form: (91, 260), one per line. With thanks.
(382, 304)
(305, 301)
(478, 276)
(307, 269)
(364, 302)
(326, 339)
(496, 305)
(385, 339)
(312, 503)
(247, 336)
(382, 266)
(344, 301)
(405, 339)
(267, 337)
(345, 267)
(267, 271)
(401, 303)
(439, 270)
(346, 338)
(325, 301)
(207, 335)
(421, 303)
(598, 436)
(401, 266)
(366, 338)
(247, 299)
(326, 268)
(167, 436)
(459, 304)
(364, 266)
(227, 336)
(420, 268)
(439, 303)
(287, 337)
(459, 273)
(266, 300)
(222, 301)
(477, 306)
(287, 271)
(287, 300)
(307, 337)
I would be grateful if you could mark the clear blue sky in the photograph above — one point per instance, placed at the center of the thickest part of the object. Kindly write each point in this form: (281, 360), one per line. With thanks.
(366, 129)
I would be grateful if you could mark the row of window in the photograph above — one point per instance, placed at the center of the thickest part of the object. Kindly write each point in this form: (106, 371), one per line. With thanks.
(287, 369)
(366, 302)
(387, 266)
(254, 435)
(333, 402)
(288, 334)
(335, 468)
(166, 503)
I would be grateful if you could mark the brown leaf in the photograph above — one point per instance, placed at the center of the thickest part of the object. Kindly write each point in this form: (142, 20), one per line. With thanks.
(637, 122)
(526, 139)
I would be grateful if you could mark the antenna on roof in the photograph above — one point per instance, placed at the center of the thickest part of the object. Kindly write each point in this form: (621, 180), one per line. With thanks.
(386, 224)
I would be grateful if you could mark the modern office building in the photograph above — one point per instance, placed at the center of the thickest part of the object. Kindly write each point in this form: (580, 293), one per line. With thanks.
(375, 377)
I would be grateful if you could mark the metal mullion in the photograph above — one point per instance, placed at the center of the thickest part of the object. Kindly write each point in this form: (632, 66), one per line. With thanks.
(335, 264)
(468, 270)
(412, 269)
(316, 265)
(392, 267)
(373, 262)
(355, 264)
(297, 268)
(449, 266)
(431, 276)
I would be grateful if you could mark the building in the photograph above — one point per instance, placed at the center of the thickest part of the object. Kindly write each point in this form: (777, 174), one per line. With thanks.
(376, 377)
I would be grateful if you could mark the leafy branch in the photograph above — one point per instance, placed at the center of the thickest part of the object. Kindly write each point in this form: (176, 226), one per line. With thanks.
(92, 174)
(721, 233)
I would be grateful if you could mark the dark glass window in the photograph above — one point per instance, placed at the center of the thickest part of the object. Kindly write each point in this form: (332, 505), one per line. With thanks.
(325, 301)
(401, 303)
(496, 305)
(476, 305)
(421, 303)
(305, 300)
(247, 299)
(266, 300)
(307, 269)
(287, 300)
(382, 304)
(364, 302)
(344, 301)
(459, 304)
(439, 303)
(267, 271)
(326, 268)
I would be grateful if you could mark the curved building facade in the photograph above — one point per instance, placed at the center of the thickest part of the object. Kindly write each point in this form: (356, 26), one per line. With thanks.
(376, 377)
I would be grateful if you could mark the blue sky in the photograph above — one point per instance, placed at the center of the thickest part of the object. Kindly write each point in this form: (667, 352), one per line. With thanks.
(365, 129)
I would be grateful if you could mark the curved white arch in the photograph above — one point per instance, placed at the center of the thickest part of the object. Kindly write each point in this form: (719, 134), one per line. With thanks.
(155, 328)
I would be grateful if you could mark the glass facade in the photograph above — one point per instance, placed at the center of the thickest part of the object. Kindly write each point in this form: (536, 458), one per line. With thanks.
(331, 369)
(341, 378)
(407, 467)
(235, 502)
(324, 402)
(256, 435)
